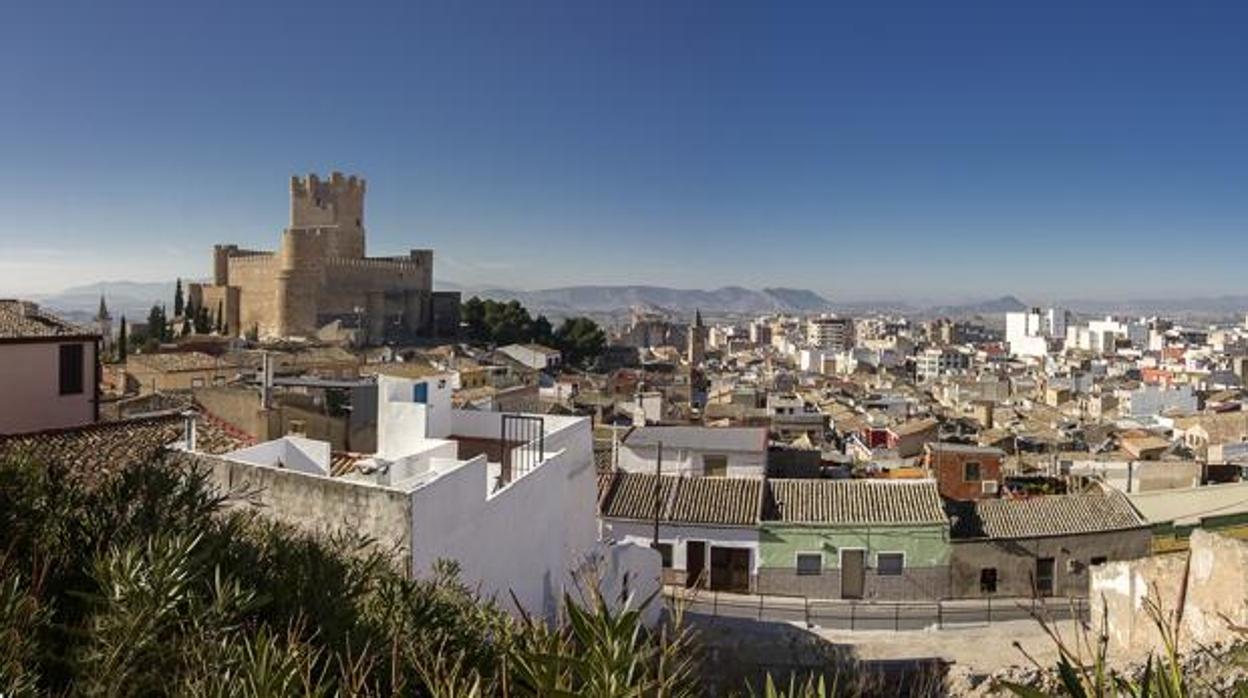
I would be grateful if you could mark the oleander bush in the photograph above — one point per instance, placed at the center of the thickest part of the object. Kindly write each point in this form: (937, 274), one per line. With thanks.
(143, 583)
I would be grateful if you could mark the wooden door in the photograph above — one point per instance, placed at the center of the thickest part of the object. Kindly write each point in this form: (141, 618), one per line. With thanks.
(853, 573)
(730, 569)
(1044, 576)
(695, 563)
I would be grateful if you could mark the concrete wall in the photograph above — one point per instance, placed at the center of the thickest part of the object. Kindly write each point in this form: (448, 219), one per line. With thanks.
(925, 574)
(1211, 581)
(318, 504)
(30, 388)
(1015, 561)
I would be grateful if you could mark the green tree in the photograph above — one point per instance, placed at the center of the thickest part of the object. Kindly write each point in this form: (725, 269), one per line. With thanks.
(178, 299)
(542, 332)
(123, 340)
(219, 325)
(507, 322)
(157, 324)
(581, 340)
(472, 315)
(202, 321)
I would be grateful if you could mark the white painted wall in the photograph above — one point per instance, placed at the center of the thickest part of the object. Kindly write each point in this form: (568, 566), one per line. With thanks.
(642, 533)
(688, 462)
(289, 452)
(30, 386)
(527, 538)
(403, 423)
(632, 572)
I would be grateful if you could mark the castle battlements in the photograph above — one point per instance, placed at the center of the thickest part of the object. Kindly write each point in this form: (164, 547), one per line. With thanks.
(375, 263)
(327, 189)
(320, 273)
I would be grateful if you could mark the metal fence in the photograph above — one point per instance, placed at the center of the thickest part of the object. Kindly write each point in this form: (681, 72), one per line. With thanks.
(876, 615)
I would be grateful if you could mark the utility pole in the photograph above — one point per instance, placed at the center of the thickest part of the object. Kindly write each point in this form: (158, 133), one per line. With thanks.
(658, 494)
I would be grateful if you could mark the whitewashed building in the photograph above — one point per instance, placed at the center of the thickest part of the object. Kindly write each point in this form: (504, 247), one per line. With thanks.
(509, 497)
(696, 451)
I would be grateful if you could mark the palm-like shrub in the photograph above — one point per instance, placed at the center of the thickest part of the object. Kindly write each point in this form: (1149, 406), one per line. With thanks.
(148, 586)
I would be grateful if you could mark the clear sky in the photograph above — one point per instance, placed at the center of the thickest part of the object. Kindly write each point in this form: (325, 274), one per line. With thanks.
(871, 150)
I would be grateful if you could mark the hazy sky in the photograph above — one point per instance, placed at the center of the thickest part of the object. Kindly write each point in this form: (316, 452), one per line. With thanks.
(889, 150)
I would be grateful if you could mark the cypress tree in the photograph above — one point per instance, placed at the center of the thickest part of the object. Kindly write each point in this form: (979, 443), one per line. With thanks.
(178, 300)
(123, 340)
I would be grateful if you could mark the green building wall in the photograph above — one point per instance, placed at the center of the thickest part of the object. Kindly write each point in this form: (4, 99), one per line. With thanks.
(924, 546)
(925, 576)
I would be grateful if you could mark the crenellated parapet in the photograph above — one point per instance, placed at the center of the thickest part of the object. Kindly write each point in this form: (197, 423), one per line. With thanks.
(337, 186)
(320, 272)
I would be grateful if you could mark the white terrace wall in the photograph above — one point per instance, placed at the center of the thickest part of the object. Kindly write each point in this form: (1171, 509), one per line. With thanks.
(689, 461)
(525, 539)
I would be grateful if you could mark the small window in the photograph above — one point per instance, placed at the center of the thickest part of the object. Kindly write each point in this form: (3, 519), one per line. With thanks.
(890, 564)
(970, 471)
(988, 580)
(665, 552)
(71, 369)
(197, 382)
(715, 466)
(1098, 560)
(809, 564)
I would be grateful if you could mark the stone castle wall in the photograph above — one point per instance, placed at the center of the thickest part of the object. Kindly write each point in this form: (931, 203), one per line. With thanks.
(320, 272)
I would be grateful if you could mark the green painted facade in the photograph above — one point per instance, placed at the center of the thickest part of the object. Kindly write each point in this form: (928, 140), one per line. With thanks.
(923, 545)
(1169, 537)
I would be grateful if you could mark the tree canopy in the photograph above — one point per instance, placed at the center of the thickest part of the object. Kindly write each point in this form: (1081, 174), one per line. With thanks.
(580, 339)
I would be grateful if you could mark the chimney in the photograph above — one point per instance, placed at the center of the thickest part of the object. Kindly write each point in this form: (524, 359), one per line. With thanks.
(189, 430)
(266, 381)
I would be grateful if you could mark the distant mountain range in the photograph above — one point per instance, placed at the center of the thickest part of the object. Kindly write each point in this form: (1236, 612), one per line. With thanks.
(608, 299)
(130, 298)
(1004, 304)
(134, 299)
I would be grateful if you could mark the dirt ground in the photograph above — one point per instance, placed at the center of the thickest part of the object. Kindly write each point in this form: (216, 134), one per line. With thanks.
(980, 649)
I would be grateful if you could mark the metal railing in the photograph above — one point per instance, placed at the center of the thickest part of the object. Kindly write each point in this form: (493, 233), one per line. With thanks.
(875, 615)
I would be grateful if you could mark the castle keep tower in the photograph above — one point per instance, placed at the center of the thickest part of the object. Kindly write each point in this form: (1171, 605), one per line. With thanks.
(336, 205)
(321, 283)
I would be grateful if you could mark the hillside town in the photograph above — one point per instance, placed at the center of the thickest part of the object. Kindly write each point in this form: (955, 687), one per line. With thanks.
(883, 468)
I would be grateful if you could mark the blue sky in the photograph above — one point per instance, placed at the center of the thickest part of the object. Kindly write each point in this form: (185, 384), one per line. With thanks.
(884, 150)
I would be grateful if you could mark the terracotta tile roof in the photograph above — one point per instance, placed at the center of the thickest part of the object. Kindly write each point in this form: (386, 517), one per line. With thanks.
(111, 446)
(343, 462)
(180, 361)
(25, 320)
(877, 502)
(710, 501)
(1050, 515)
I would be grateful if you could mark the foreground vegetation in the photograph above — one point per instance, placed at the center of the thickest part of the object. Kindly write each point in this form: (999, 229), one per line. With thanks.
(141, 584)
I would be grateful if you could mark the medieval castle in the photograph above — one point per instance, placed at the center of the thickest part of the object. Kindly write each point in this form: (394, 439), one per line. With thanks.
(320, 282)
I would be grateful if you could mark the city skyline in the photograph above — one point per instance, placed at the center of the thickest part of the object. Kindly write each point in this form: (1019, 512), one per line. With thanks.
(1056, 152)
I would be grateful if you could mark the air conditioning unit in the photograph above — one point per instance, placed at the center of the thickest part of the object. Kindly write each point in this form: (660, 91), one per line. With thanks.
(989, 486)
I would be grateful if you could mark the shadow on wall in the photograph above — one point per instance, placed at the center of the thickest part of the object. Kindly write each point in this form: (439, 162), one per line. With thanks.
(738, 651)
